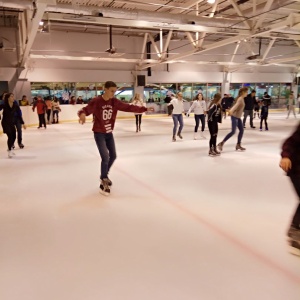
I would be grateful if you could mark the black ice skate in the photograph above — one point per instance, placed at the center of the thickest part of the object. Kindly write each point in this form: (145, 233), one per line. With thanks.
(216, 151)
(179, 135)
(212, 152)
(104, 187)
(174, 138)
(21, 146)
(295, 247)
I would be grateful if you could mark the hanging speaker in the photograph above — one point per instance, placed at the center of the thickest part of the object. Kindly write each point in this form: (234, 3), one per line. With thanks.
(141, 80)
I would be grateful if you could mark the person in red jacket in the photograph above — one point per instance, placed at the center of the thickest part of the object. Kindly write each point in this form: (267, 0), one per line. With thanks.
(290, 163)
(104, 109)
(41, 107)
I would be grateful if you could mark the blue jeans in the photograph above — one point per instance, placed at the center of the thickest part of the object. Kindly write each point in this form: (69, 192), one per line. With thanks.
(176, 119)
(235, 122)
(197, 118)
(106, 146)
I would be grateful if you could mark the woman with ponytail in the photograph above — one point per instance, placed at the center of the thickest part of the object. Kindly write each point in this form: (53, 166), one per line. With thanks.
(214, 117)
(236, 113)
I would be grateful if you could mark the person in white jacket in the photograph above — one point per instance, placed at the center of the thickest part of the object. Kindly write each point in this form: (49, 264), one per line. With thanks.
(199, 108)
(138, 101)
(177, 103)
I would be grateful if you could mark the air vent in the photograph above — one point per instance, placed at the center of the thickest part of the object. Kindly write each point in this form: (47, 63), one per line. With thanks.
(8, 49)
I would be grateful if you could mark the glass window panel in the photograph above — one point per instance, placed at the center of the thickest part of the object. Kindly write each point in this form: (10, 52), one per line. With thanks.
(212, 89)
(152, 92)
(86, 90)
(199, 88)
(187, 90)
(99, 88)
(124, 92)
(44, 89)
(234, 89)
(63, 91)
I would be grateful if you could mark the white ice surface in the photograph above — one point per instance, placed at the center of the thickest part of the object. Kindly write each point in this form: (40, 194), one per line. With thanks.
(179, 225)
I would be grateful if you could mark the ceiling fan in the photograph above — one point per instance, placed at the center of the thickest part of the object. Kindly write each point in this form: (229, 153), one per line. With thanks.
(112, 51)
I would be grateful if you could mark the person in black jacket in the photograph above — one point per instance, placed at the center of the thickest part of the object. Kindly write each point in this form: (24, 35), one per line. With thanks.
(290, 163)
(10, 108)
(214, 117)
(249, 106)
(18, 121)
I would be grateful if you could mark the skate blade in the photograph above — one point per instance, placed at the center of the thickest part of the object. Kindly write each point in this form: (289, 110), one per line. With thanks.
(294, 251)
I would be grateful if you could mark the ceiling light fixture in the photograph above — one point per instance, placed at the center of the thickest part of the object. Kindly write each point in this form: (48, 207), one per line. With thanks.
(211, 1)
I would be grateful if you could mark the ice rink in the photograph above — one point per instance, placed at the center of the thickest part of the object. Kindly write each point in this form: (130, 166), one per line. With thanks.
(178, 225)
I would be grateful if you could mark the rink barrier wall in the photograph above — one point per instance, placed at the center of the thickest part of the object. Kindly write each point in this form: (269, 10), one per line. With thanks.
(69, 113)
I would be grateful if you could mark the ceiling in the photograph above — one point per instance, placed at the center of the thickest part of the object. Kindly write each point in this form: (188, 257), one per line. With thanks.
(201, 25)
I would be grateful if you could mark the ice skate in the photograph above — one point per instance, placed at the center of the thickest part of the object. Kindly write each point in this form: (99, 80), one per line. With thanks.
(9, 154)
(239, 147)
(104, 187)
(216, 151)
(174, 138)
(21, 146)
(295, 247)
(294, 233)
(179, 135)
(195, 136)
(202, 135)
(212, 152)
(220, 146)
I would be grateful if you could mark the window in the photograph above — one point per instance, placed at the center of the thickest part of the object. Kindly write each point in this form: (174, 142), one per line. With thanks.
(86, 90)
(124, 92)
(234, 89)
(212, 89)
(199, 88)
(186, 89)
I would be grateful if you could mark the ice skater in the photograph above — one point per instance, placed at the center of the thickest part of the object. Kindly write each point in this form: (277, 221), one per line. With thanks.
(264, 115)
(214, 117)
(138, 101)
(290, 163)
(199, 108)
(41, 109)
(104, 108)
(291, 104)
(10, 109)
(236, 113)
(177, 104)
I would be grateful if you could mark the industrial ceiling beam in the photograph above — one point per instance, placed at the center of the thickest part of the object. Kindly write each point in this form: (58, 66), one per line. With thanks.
(68, 18)
(239, 12)
(262, 17)
(268, 49)
(36, 18)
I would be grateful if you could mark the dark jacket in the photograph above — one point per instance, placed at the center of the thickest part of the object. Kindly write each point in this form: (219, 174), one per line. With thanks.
(249, 102)
(9, 114)
(214, 114)
(266, 100)
(291, 150)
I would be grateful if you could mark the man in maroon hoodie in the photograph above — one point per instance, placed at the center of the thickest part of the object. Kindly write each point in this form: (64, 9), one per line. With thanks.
(290, 163)
(104, 109)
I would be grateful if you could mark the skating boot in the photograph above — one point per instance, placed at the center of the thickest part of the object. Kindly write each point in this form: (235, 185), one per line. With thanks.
(220, 146)
(179, 135)
(295, 247)
(21, 146)
(195, 136)
(137, 129)
(239, 147)
(212, 152)
(104, 187)
(140, 128)
(174, 138)
(109, 182)
(216, 151)
(294, 233)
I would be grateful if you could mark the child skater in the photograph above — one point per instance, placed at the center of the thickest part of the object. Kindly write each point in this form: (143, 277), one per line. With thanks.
(138, 101)
(199, 108)
(290, 163)
(264, 115)
(104, 108)
(236, 113)
(214, 117)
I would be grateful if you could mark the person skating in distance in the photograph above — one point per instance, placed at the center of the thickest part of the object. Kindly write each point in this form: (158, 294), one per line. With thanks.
(104, 108)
